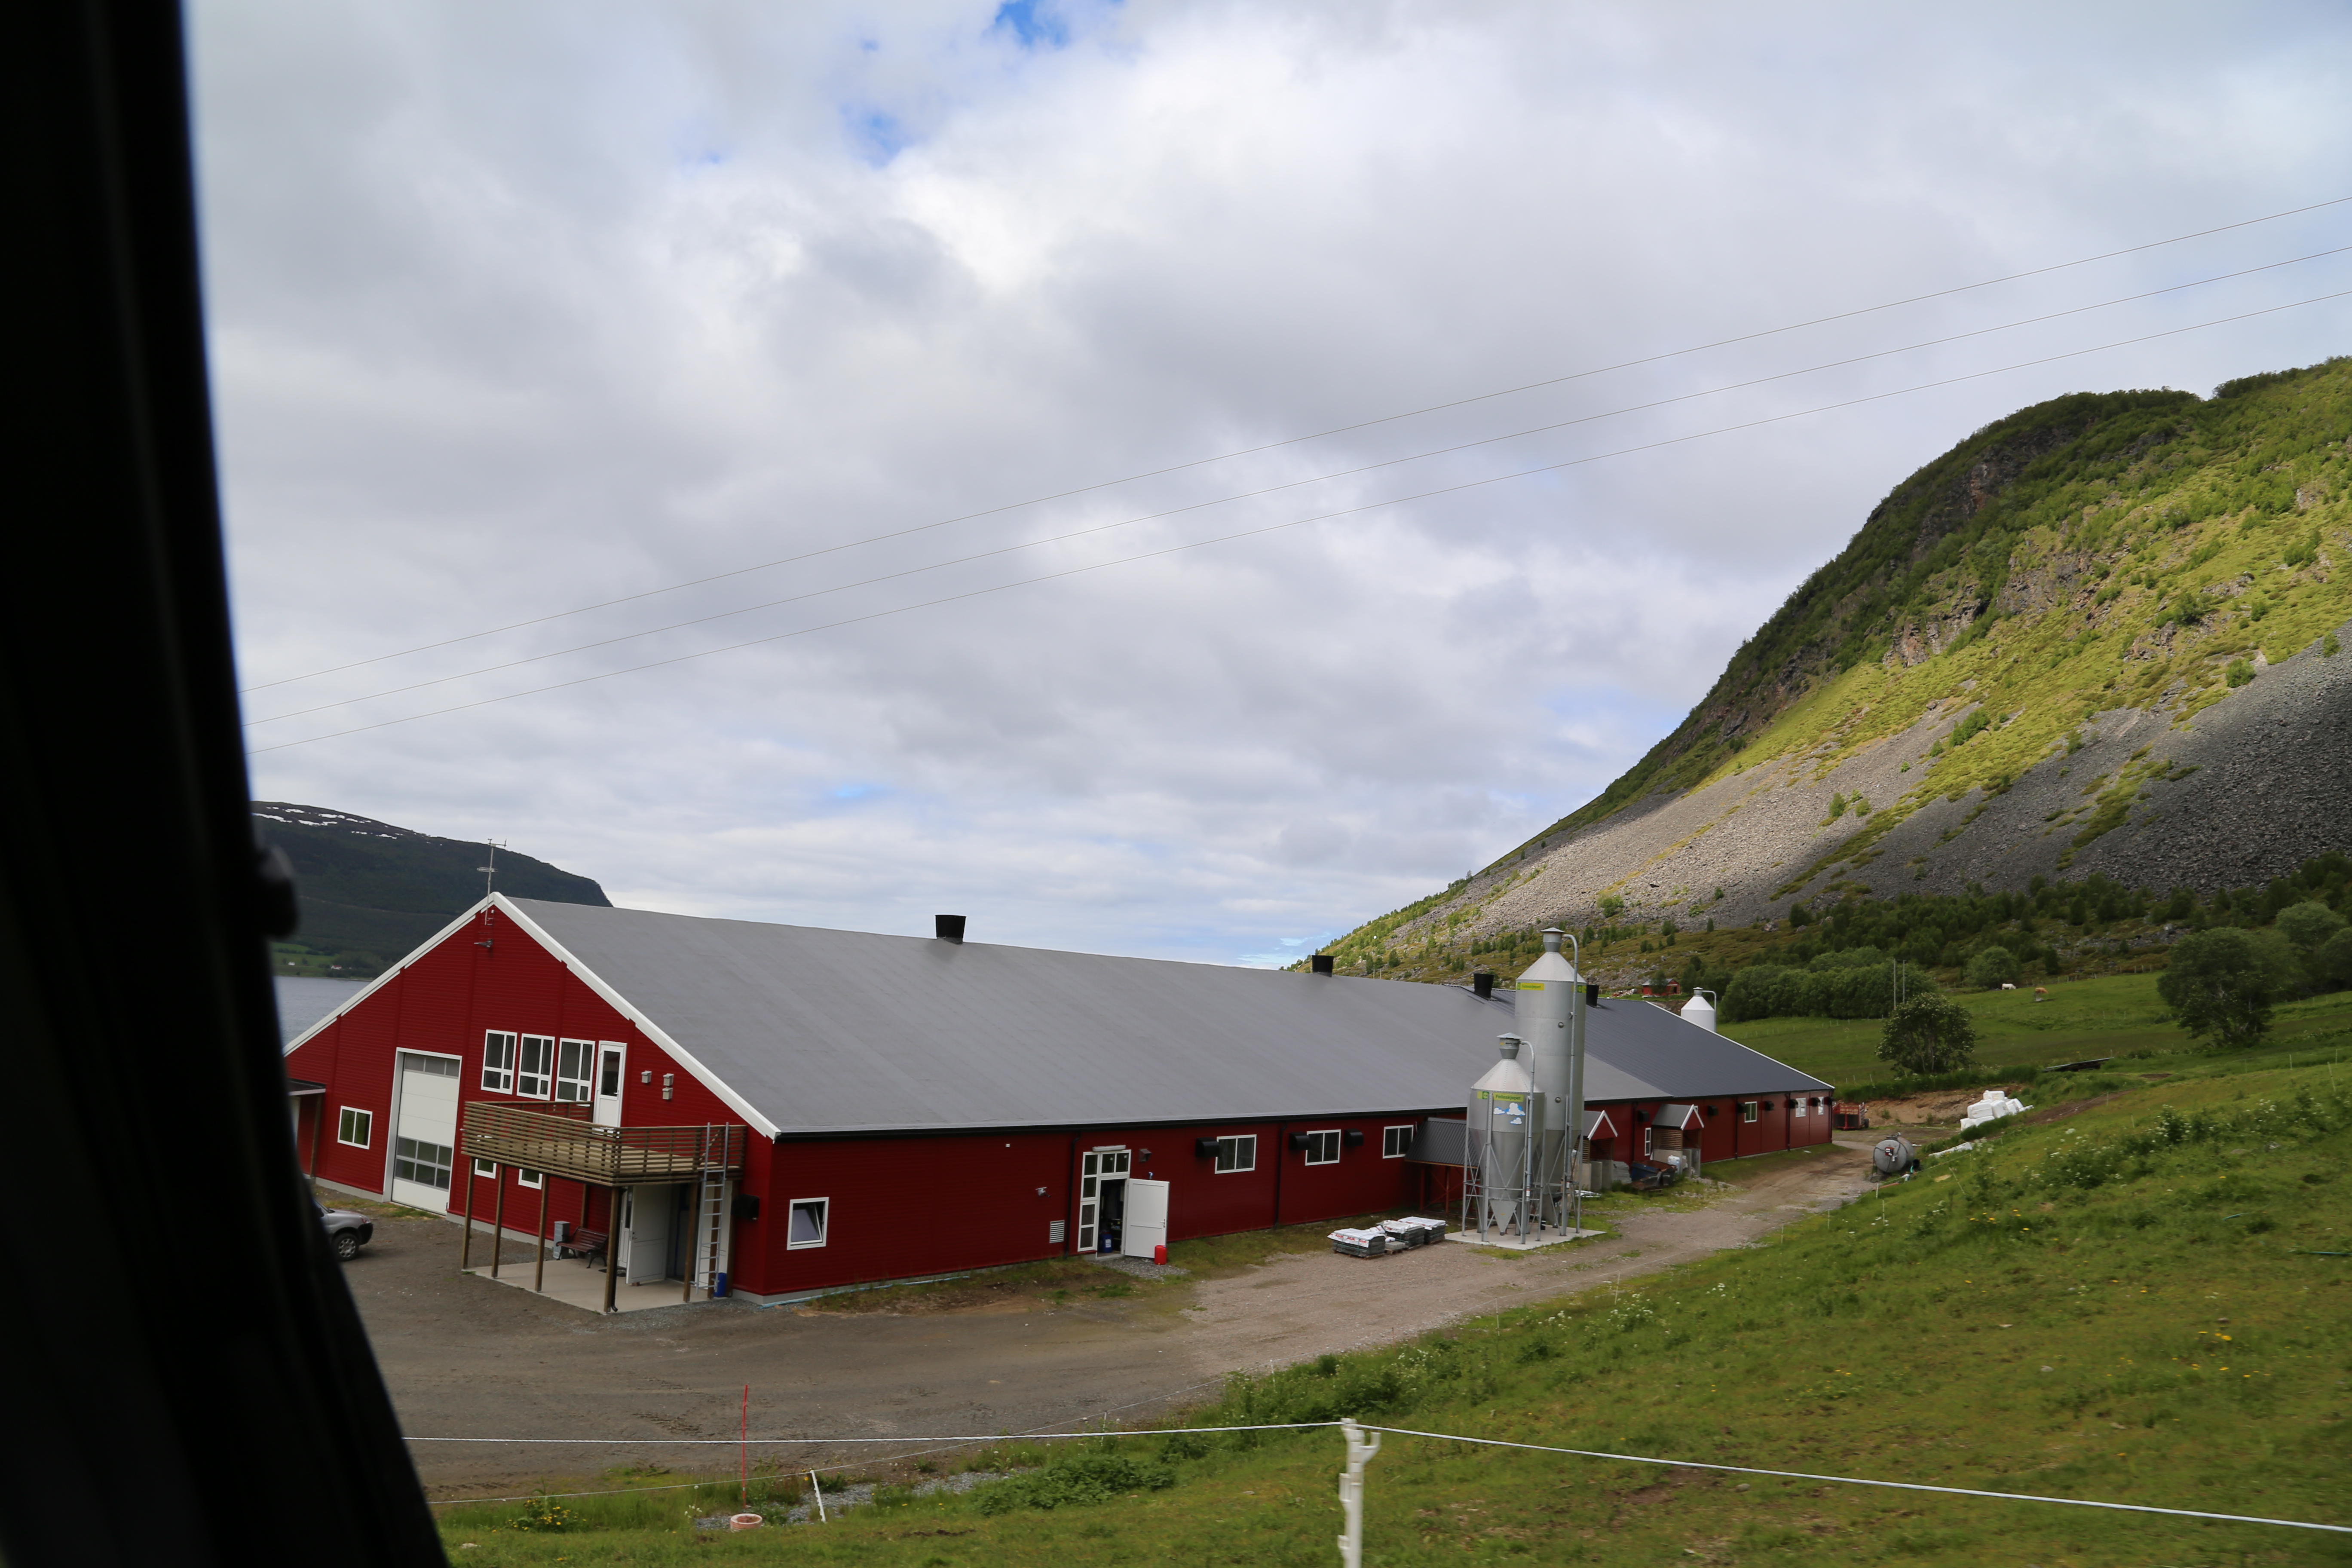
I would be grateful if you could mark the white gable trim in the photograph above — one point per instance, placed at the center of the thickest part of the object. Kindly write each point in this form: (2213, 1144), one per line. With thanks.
(386, 978)
(629, 1010)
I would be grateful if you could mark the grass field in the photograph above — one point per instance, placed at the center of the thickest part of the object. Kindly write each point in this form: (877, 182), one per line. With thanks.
(2113, 1015)
(2137, 1303)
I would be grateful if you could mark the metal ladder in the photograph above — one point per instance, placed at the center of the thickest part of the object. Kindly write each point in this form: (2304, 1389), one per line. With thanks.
(709, 1212)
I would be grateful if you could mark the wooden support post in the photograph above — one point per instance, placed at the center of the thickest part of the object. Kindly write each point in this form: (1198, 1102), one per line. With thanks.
(498, 1221)
(612, 1245)
(465, 1251)
(539, 1269)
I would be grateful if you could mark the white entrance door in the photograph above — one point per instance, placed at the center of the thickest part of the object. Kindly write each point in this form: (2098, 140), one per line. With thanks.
(1098, 1171)
(425, 1138)
(611, 1062)
(643, 1245)
(1147, 1218)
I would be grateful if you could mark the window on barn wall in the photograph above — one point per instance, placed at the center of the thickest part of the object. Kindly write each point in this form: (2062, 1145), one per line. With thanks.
(1747, 1111)
(806, 1228)
(1323, 1148)
(528, 1178)
(1394, 1141)
(537, 1065)
(356, 1128)
(497, 1062)
(487, 1170)
(1237, 1154)
(572, 1066)
(427, 1165)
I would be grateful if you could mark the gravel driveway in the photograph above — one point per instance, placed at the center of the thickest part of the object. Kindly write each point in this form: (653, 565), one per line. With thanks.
(466, 1358)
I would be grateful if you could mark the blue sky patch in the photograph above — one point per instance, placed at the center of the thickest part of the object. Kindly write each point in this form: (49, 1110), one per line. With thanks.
(1023, 20)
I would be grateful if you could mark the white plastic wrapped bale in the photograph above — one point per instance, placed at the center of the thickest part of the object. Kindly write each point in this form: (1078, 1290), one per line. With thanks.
(1430, 1229)
(1360, 1243)
(1994, 1104)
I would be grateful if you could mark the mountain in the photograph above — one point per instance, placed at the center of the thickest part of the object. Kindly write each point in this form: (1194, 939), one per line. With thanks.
(371, 892)
(2100, 637)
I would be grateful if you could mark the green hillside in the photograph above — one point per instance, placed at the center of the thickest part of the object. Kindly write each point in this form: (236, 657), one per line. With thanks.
(2100, 551)
(2060, 577)
(371, 893)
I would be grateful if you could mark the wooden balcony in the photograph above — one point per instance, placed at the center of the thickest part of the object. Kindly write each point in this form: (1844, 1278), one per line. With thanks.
(563, 1141)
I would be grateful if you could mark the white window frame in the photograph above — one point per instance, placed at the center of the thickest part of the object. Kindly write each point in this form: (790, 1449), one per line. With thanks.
(415, 1146)
(486, 1170)
(1237, 1155)
(1797, 1111)
(535, 1180)
(539, 1085)
(1649, 1135)
(498, 1061)
(823, 1222)
(366, 1118)
(1316, 1143)
(1393, 1147)
(1749, 1110)
(575, 1071)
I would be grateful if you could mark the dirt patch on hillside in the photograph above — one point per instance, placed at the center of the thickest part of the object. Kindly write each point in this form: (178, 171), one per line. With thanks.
(1942, 1108)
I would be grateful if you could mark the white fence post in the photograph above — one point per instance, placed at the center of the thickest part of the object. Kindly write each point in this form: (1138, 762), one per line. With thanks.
(1351, 1491)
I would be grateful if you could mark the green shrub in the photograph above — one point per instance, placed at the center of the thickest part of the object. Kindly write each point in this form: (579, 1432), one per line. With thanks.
(2308, 924)
(2239, 673)
(2225, 982)
(1993, 968)
(1930, 1033)
(1075, 1481)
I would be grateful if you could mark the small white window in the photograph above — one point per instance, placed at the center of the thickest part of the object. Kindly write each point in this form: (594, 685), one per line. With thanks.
(1797, 1109)
(486, 1170)
(1323, 1148)
(1394, 1141)
(356, 1128)
(528, 1178)
(1747, 1111)
(497, 1062)
(536, 1066)
(1237, 1154)
(808, 1220)
(1648, 1134)
(572, 1071)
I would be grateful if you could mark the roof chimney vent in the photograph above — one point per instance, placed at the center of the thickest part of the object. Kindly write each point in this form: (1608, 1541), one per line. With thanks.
(1482, 984)
(1321, 963)
(949, 927)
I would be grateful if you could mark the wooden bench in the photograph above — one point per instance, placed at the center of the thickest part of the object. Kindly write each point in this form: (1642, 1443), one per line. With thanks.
(589, 1244)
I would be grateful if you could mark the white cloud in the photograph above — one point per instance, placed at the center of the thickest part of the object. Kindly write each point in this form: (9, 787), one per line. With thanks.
(539, 306)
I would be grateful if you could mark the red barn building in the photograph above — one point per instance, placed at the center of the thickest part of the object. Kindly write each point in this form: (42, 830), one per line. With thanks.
(799, 1109)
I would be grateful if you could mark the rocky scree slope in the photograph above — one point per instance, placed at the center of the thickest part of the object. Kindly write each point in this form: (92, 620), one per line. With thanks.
(2101, 635)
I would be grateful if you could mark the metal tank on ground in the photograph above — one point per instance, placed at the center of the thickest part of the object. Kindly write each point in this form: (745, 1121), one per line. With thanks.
(1502, 1119)
(1549, 1004)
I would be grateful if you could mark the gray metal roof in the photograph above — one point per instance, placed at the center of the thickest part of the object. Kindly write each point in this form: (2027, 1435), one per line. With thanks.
(833, 1031)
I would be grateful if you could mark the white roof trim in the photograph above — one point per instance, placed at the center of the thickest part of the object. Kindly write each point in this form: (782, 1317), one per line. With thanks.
(369, 989)
(629, 1010)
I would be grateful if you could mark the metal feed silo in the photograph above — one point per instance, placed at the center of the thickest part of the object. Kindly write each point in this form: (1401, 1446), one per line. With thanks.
(1502, 1115)
(1550, 1006)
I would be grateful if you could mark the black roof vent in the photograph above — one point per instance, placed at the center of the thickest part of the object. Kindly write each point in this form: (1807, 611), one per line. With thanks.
(949, 927)
(1482, 984)
(1322, 963)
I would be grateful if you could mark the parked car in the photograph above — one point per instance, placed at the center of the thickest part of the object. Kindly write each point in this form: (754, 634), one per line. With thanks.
(346, 1232)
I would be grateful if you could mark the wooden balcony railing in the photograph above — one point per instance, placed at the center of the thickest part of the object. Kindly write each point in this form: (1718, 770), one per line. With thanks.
(562, 1141)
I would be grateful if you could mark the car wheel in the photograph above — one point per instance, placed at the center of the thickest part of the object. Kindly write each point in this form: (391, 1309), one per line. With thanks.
(347, 1245)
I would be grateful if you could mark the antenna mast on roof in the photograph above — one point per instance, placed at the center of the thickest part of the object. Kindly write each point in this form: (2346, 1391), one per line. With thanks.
(490, 871)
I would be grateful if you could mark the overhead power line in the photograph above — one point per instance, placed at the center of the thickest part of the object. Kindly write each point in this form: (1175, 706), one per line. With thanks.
(1297, 523)
(1295, 440)
(1269, 490)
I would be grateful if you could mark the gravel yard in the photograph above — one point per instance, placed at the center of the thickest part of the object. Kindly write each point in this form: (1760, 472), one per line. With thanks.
(466, 1358)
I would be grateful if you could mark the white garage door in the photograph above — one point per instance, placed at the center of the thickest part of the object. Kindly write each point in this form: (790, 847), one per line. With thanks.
(425, 1141)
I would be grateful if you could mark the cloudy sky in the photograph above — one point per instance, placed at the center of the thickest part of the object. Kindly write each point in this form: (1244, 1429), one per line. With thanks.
(1160, 455)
